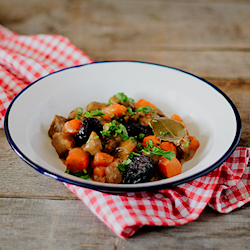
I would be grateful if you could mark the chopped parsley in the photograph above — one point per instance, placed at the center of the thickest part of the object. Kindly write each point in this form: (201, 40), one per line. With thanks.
(139, 145)
(153, 150)
(123, 166)
(163, 132)
(79, 113)
(186, 144)
(145, 110)
(149, 143)
(126, 162)
(117, 129)
(92, 113)
(130, 111)
(141, 136)
(84, 174)
(133, 139)
(123, 98)
(92, 138)
(122, 131)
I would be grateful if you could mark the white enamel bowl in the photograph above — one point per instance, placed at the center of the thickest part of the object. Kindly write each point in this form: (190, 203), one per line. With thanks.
(208, 114)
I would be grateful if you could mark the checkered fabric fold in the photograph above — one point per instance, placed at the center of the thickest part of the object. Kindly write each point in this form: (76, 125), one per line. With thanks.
(24, 59)
(224, 189)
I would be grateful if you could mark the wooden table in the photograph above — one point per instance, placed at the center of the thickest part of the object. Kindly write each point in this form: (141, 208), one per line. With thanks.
(208, 38)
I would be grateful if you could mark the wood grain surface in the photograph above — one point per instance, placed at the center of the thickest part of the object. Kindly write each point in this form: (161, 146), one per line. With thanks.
(208, 38)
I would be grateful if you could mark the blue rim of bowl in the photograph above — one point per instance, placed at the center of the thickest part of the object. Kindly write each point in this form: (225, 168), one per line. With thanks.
(117, 188)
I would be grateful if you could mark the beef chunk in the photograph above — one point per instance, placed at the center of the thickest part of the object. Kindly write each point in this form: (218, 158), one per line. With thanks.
(63, 142)
(183, 150)
(125, 148)
(57, 125)
(96, 105)
(113, 174)
(74, 113)
(94, 144)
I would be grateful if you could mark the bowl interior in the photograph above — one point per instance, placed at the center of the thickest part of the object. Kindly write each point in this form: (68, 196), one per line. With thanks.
(208, 113)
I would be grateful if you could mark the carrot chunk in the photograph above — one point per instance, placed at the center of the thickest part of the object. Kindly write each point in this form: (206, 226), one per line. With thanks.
(169, 168)
(114, 110)
(72, 126)
(77, 160)
(102, 159)
(193, 143)
(151, 139)
(168, 146)
(100, 171)
(144, 103)
(178, 119)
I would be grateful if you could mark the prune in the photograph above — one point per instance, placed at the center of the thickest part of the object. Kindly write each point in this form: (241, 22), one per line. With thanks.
(136, 129)
(139, 170)
(87, 126)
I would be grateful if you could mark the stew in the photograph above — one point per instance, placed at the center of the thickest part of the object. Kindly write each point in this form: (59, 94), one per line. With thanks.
(122, 141)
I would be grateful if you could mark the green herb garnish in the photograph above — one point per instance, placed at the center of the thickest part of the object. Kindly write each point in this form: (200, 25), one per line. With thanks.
(129, 110)
(90, 138)
(186, 144)
(123, 165)
(123, 98)
(133, 139)
(79, 113)
(117, 129)
(92, 113)
(141, 136)
(84, 174)
(163, 132)
(145, 110)
(152, 150)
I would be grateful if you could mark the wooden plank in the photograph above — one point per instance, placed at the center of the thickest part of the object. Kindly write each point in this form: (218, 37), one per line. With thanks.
(213, 64)
(68, 224)
(101, 25)
(20, 180)
(51, 224)
(210, 39)
(238, 90)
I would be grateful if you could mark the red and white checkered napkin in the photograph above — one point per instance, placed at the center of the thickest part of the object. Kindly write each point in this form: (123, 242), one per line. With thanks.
(224, 189)
(24, 59)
